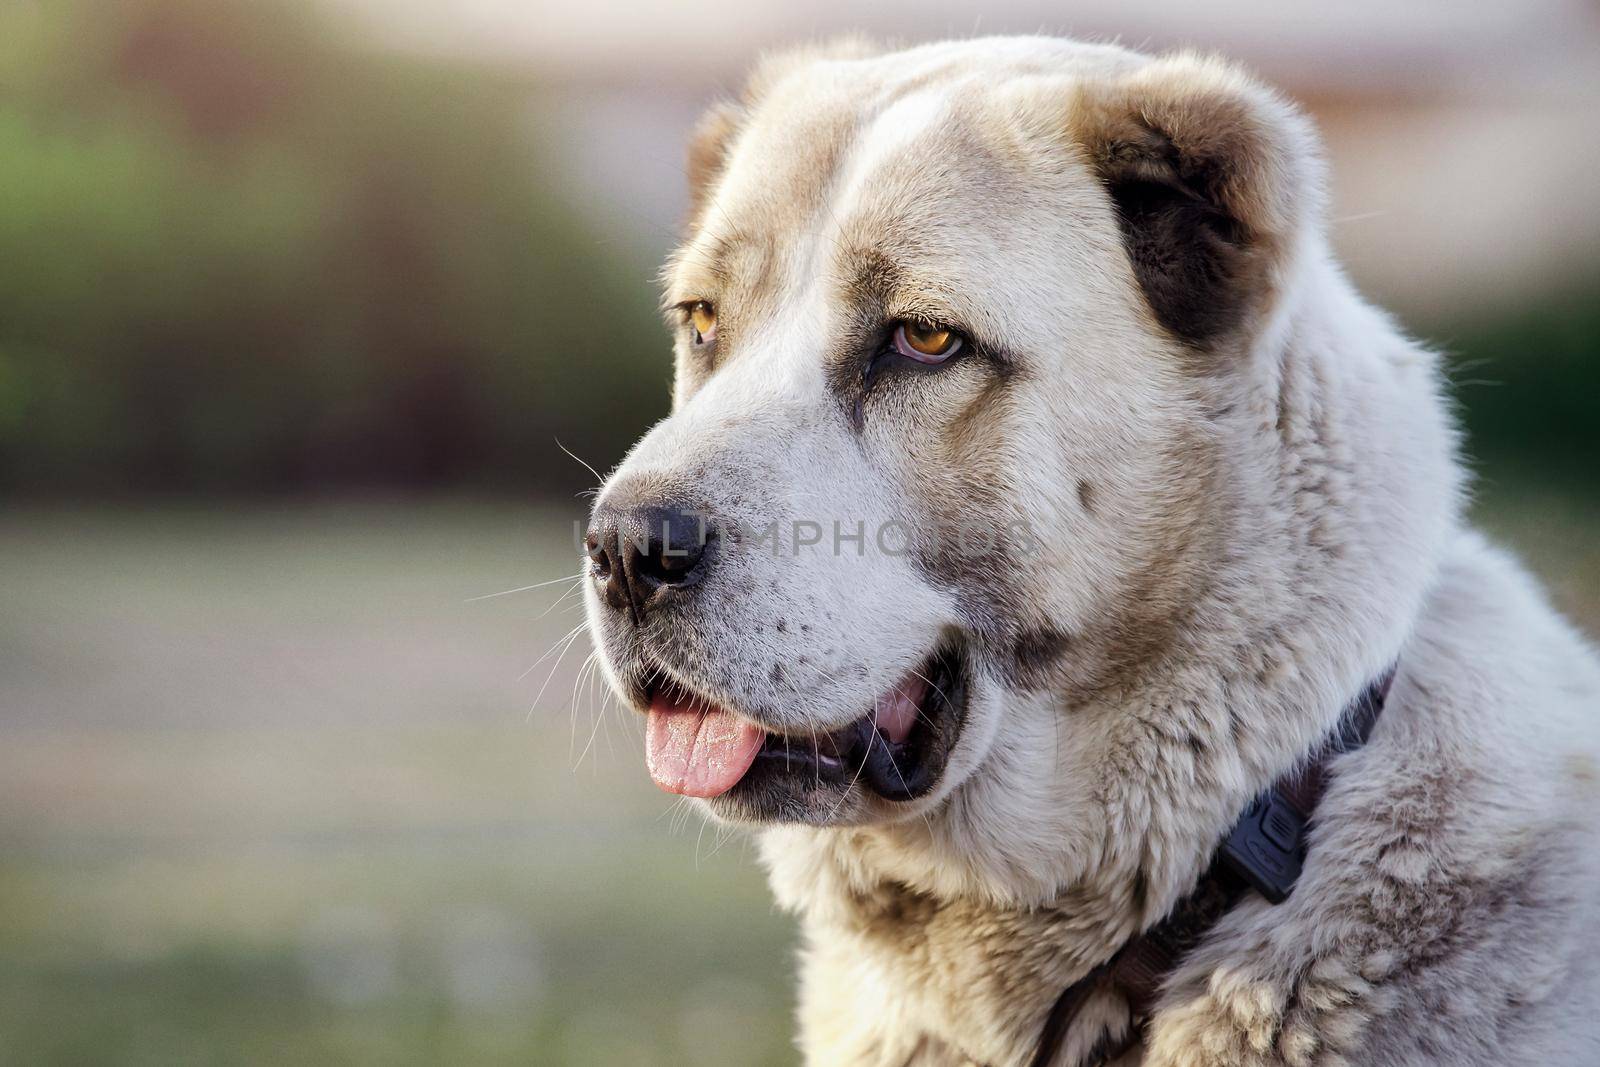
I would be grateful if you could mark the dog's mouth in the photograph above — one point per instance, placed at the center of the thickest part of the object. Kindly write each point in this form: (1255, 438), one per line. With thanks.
(897, 749)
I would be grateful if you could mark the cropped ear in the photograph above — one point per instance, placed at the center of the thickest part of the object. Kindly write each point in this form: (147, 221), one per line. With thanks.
(713, 136)
(708, 151)
(1213, 177)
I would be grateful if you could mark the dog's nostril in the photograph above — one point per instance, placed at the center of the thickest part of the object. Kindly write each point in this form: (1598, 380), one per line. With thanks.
(595, 545)
(636, 551)
(671, 561)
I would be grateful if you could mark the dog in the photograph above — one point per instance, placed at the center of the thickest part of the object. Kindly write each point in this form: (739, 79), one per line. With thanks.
(1037, 493)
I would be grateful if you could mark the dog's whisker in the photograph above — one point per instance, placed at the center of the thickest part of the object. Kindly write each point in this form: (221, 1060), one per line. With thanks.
(556, 644)
(598, 477)
(697, 839)
(889, 752)
(723, 836)
(671, 809)
(572, 714)
(566, 646)
(577, 679)
(942, 696)
(599, 694)
(558, 602)
(590, 663)
(857, 777)
(605, 720)
(524, 588)
(593, 731)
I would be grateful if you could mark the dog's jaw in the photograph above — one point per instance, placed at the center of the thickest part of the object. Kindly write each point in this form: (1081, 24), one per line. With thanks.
(893, 761)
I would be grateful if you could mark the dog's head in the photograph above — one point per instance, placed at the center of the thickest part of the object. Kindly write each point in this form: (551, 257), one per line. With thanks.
(955, 328)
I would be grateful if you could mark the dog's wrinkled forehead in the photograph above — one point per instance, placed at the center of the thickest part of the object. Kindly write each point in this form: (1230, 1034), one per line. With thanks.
(868, 202)
(826, 190)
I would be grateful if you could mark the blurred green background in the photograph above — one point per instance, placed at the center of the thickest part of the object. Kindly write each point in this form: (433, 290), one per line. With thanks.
(296, 303)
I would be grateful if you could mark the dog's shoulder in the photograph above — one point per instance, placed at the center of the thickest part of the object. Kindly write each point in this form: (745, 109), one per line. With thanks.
(1447, 910)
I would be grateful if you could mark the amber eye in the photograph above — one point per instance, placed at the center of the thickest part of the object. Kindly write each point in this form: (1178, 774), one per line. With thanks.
(703, 317)
(926, 344)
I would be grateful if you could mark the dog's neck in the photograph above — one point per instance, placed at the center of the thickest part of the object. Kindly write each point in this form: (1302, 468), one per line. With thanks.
(1316, 579)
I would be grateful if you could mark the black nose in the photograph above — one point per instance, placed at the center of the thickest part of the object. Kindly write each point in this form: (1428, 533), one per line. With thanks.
(638, 551)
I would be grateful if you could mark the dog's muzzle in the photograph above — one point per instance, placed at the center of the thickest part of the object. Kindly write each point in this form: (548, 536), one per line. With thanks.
(651, 560)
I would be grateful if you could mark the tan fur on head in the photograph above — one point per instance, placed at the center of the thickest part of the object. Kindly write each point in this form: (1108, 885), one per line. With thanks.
(1242, 496)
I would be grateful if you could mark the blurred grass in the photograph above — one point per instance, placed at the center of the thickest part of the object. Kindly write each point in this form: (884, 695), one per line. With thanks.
(270, 791)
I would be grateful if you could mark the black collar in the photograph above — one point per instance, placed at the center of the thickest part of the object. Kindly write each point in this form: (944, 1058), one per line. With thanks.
(1262, 852)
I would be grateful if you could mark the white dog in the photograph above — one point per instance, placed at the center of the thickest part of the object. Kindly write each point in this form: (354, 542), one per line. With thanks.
(1038, 498)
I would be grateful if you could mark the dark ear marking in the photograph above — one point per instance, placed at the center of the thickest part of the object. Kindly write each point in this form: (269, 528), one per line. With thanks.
(1210, 176)
(1194, 261)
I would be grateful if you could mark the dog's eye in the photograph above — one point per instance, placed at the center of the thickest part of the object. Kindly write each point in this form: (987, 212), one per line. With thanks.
(926, 344)
(703, 317)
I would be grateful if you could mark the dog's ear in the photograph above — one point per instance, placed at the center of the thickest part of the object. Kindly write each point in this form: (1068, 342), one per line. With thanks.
(713, 136)
(1213, 178)
(708, 151)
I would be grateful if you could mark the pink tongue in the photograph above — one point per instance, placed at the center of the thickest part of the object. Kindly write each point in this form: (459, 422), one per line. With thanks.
(695, 752)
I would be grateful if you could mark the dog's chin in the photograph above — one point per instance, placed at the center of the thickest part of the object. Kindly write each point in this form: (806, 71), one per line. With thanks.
(865, 771)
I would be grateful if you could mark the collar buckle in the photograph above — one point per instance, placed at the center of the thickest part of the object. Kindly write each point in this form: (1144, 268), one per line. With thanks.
(1266, 847)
